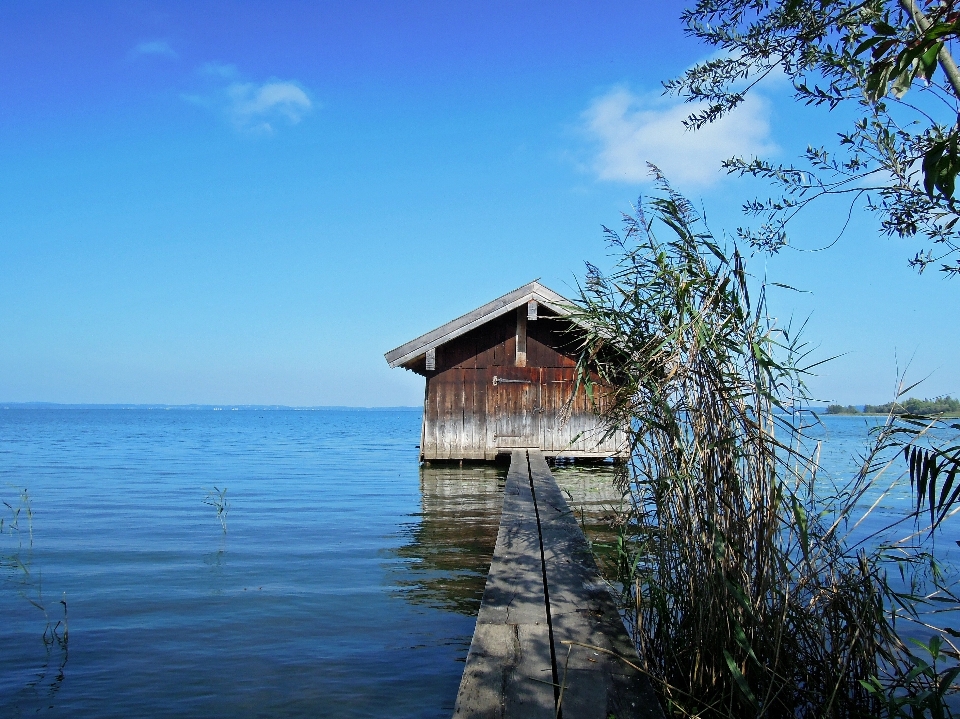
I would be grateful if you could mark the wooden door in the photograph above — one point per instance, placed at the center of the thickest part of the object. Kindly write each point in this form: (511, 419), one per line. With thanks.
(555, 395)
(518, 409)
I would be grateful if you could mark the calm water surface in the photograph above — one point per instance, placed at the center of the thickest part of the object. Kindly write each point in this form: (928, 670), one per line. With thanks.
(346, 585)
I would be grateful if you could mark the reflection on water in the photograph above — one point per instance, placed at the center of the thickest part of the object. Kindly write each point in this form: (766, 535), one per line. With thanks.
(593, 495)
(451, 544)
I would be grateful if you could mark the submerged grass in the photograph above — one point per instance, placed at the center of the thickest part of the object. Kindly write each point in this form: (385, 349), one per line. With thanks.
(753, 588)
(18, 572)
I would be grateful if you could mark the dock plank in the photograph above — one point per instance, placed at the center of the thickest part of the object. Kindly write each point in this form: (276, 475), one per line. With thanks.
(596, 684)
(544, 599)
(509, 671)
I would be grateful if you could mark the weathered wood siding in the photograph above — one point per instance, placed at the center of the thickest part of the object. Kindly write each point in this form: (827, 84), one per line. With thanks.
(479, 403)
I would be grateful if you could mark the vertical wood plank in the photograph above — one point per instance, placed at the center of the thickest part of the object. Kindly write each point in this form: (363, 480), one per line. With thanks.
(521, 342)
(490, 395)
(428, 444)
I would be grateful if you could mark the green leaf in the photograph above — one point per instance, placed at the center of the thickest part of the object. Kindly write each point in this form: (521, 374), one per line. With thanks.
(741, 637)
(867, 44)
(902, 82)
(931, 162)
(882, 47)
(939, 30)
(880, 27)
(929, 60)
(740, 680)
(739, 595)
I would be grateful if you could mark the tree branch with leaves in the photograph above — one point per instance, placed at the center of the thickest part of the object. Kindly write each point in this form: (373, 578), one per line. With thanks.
(889, 58)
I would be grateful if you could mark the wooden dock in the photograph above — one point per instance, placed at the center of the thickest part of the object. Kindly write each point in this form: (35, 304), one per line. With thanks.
(543, 601)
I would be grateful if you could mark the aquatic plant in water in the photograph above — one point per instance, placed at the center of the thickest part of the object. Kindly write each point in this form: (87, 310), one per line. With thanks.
(217, 498)
(20, 574)
(752, 583)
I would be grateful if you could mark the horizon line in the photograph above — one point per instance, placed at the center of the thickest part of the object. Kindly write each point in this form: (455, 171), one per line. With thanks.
(197, 406)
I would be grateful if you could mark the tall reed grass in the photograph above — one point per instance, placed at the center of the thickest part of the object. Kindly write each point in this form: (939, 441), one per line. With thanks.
(752, 589)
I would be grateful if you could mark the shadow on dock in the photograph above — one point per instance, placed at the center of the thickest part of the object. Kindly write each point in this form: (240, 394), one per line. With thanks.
(549, 641)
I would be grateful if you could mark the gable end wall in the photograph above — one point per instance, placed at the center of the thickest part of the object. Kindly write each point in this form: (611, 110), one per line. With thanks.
(467, 416)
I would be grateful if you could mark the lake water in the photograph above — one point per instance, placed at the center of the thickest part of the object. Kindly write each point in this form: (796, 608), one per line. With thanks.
(346, 584)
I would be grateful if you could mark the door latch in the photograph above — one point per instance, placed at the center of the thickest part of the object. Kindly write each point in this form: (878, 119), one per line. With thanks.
(504, 380)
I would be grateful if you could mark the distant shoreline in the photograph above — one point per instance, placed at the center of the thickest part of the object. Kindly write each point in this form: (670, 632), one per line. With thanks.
(943, 406)
(205, 407)
(944, 415)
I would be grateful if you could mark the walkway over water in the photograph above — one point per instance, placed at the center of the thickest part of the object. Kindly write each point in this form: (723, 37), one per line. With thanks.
(545, 608)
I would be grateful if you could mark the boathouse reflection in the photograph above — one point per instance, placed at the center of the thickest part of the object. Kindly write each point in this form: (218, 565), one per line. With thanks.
(450, 547)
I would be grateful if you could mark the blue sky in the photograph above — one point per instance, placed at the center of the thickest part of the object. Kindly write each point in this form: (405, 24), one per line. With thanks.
(240, 202)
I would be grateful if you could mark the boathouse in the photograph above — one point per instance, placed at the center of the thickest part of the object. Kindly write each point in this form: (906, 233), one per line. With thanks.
(502, 377)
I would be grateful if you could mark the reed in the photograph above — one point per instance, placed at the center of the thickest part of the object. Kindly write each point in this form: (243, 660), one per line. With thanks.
(217, 498)
(749, 589)
(20, 574)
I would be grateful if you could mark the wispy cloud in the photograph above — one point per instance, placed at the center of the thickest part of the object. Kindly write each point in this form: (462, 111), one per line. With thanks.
(631, 130)
(159, 48)
(256, 106)
(252, 106)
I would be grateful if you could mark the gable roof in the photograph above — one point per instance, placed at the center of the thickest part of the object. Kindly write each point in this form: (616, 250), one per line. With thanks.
(510, 301)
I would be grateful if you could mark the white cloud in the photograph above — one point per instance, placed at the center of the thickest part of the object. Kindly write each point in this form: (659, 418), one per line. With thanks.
(251, 106)
(632, 130)
(159, 48)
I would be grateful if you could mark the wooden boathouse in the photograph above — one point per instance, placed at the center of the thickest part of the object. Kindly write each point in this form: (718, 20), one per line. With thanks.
(549, 642)
(499, 378)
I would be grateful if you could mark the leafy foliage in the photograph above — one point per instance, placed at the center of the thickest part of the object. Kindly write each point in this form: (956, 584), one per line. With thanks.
(901, 155)
(935, 406)
(840, 409)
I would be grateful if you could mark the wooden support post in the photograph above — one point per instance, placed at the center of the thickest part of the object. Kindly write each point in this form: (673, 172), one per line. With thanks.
(521, 337)
(432, 359)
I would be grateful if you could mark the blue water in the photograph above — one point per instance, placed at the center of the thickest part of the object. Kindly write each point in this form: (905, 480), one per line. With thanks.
(845, 441)
(321, 598)
(346, 584)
